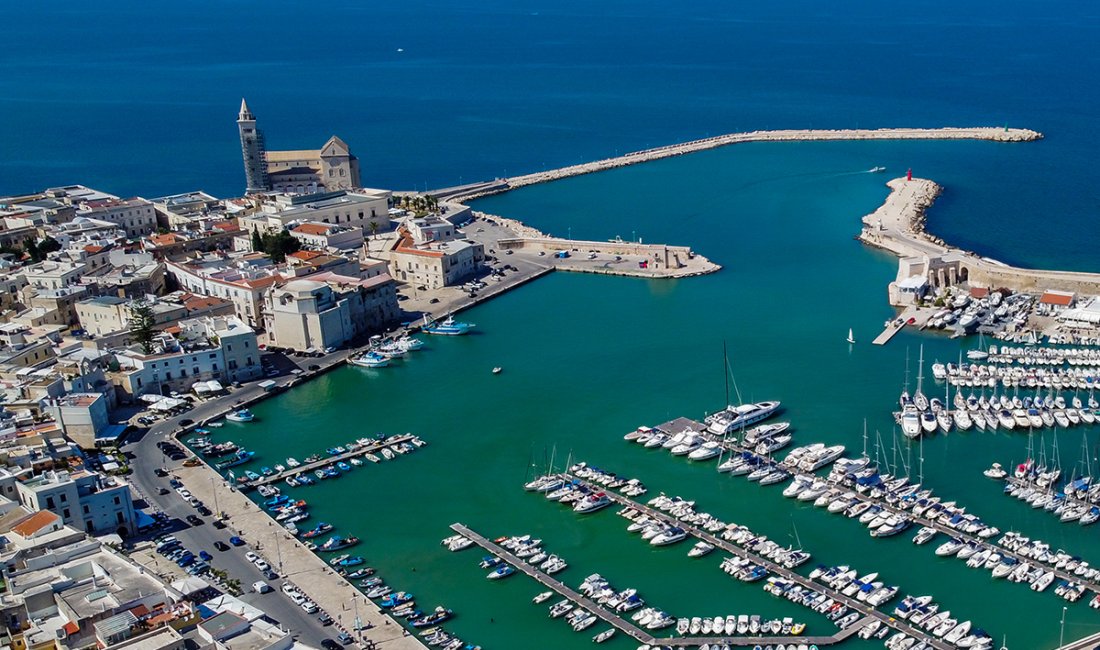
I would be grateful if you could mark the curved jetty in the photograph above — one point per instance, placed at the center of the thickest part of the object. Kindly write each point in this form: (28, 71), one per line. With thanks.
(995, 134)
(898, 225)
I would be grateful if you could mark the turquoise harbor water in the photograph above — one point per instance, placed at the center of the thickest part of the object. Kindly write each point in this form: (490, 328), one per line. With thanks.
(588, 358)
(140, 98)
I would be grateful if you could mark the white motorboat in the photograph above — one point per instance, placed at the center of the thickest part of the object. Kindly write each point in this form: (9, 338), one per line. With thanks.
(736, 417)
(700, 549)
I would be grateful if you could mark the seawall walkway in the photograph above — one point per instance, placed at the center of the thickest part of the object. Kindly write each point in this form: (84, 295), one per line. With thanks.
(994, 134)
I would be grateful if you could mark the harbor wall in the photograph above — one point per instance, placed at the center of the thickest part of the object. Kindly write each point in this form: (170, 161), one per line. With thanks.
(993, 134)
(898, 226)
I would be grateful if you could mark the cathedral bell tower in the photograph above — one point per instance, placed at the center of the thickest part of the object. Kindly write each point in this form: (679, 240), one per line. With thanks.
(253, 151)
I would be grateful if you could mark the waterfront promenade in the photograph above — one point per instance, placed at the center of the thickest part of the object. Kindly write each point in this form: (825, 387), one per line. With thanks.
(994, 134)
(295, 562)
(898, 226)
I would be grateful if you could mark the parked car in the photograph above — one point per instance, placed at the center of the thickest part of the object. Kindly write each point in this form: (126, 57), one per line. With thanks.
(206, 556)
(324, 618)
(160, 472)
(219, 524)
(204, 511)
(261, 587)
(344, 637)
(186, 422)
(236, 541)
(329, 644)
(194, 521)
(221, 546)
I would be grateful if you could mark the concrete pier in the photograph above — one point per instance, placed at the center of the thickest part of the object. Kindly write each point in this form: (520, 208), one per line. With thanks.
(995, 134)
(671, 428)
(854, 605)
(329, 460)
(627, 627)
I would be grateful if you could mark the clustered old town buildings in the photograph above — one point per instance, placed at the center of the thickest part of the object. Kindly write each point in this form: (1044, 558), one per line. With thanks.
(218, 281)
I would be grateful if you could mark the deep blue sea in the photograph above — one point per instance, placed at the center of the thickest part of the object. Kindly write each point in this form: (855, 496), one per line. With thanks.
(141, 98)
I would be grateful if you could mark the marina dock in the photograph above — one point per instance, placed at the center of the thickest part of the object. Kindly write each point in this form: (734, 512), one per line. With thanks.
(869, 613)
(328, 460)
(626, 626)
(671, 427)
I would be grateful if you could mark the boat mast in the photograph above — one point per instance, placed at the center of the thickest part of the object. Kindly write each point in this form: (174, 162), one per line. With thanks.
(920, 470)
(725, 371)
(920, 371)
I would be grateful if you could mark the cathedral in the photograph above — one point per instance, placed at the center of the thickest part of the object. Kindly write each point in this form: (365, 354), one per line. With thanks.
(330, 168)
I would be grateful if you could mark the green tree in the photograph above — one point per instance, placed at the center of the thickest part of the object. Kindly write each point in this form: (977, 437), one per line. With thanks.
(373, 229)
(279, 245)
(141, 325)
(257, 241)
(48, 245)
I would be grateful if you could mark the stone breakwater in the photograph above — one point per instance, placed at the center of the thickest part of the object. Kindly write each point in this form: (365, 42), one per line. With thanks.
(994, 134)
(898, 225)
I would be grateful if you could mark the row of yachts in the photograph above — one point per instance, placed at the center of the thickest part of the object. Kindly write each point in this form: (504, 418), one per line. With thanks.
(920, 415)
(980, 375)
(865, 589)
(527, 549)
(1063, 504)
(1029, 355)
(889, 505)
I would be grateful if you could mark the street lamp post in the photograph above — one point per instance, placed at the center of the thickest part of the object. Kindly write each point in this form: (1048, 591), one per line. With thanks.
(214, 491)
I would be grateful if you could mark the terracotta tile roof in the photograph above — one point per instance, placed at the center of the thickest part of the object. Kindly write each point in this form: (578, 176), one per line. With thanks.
(94, 249)
(978, 292)
(34, 523)
(71, 628)
(313, 229)
(305, 256)
(227, 226)
(1057, 298)
(139, 611)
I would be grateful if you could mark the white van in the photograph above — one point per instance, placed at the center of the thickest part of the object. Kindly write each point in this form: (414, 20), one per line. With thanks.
(261, 587)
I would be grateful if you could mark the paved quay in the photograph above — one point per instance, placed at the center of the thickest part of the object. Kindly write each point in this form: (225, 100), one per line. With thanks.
(292, 560)
(994, 134)
(866, 610)
(626, 626)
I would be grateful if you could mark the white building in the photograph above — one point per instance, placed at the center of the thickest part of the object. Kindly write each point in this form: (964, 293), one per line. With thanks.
(357, 209)
(429, 253)
(212, 347)
(327, 310)
(323, 236)
(86, 500)
(135, 215)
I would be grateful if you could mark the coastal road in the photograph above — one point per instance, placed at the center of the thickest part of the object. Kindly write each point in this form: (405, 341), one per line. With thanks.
(147, 458)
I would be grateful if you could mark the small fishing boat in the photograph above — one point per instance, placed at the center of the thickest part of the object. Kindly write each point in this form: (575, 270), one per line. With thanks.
(370, 359)
(851, 338)
(448, 327)
(241, 415)
(336, 543)
(497, 370)
(996, 472)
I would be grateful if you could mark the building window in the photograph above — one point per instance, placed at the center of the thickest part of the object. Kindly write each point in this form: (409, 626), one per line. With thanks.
(65, 513)
(86, 510)
(117, 501)
(120, 518)
(49, 503)
(64, 498)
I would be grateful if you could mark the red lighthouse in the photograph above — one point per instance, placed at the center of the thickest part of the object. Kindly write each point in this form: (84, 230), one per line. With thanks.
(909, 174)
